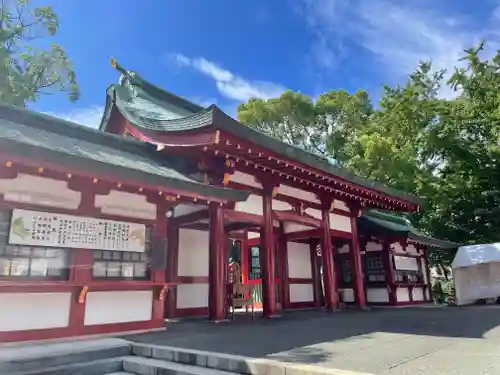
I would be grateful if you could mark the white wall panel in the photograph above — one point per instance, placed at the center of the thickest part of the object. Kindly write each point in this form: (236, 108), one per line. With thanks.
(193, 252)
(39, 190)
(245, 179)
(410, 248)
(192, 296)
(347, 294)
(344, 249)
(299, 260)
(126, 204)
(402, 294)
(298, 193)
(340, 222)
(301, 293)
(118, 307)
(253, 205)
(27, 311)
(377, 295)
(418, 294)
(281, 205)
(340, 205)
(290, 227)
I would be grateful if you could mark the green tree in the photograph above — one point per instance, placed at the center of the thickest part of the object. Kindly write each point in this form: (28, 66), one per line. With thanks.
(444, 150)
(27, 72)
(325, 126)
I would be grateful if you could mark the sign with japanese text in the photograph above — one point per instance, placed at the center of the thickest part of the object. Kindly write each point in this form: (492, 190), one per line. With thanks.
(33, 228)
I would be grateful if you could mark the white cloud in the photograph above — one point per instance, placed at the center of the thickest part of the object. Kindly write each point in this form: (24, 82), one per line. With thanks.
(396, 34)
(229, 84)
(90, 116)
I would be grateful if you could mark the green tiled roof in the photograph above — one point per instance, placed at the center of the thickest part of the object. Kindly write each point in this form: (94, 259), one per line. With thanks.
(390, 223)
(146, 109)
(46, 138)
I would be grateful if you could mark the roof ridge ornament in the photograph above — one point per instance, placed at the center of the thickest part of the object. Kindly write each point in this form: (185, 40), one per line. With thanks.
(126, 78)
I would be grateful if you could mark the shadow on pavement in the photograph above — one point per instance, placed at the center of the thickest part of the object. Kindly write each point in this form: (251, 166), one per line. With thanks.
(293, 336)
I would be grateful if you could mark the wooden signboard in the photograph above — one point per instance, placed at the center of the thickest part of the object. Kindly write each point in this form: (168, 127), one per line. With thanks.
(33, 228)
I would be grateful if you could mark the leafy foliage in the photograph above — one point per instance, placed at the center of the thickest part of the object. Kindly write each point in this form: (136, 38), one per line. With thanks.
(27, 72)
(446, 150)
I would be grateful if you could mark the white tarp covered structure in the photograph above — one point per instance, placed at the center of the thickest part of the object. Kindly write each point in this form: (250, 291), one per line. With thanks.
(476, 271)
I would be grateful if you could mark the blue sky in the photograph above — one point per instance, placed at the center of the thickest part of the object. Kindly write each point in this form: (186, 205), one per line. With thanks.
(226, 51)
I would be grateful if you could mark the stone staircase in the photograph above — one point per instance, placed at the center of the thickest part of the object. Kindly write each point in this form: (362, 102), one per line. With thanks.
(121, 357)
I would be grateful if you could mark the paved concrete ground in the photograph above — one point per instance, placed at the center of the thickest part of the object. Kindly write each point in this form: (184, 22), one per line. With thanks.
(430, 341)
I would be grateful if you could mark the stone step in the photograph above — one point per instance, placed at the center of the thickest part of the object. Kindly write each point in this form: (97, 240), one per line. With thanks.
(98, 367)
(152, 366)
(120, 373)
(229, 363)
(35, 357)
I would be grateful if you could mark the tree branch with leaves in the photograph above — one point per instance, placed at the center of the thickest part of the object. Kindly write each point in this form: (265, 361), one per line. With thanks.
(27, 73)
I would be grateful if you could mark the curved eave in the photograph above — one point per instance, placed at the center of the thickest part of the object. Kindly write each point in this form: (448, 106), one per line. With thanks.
(161, 132)
(387, 228)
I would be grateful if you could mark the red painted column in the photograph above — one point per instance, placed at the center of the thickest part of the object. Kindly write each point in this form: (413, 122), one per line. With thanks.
(314, 272)
(244, 258)
(171, 271)
(217, 282)
(359, 286)
(329, 280)
(267, 258)
(283, 266)
(158, 275)
(81, 269)
(389, 272)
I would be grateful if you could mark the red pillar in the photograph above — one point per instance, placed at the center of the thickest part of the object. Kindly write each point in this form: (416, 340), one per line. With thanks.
(359, 285)
(283, 266)
(158, 275)
(267, 258)
(315, 274)
(244, 258)
(171, 271)
(389, 272)
(331, 296)
(217, 282)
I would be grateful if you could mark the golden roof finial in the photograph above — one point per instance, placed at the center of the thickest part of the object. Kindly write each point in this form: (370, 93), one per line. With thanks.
(113, 63)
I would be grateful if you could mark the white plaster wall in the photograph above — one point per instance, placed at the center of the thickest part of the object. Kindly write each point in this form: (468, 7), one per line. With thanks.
(315, 213)
(253, 205)
(340, 205)
(253, 235)
(418, 294)
(405, 263)
(298, 193)
(118, 307)
(192, 295)
(301, 293)
(377, 295)
(299, 260)
(193, 252)
(427, 294)
(396, 247)
(410, 248)
(126, 204)
(374, 246)
(290, 227)
(26, 311)
(39, 190)
(347, 294)
(340, 222)
(344, 249)
(281, 205)
(245, 179)
(402, 294)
